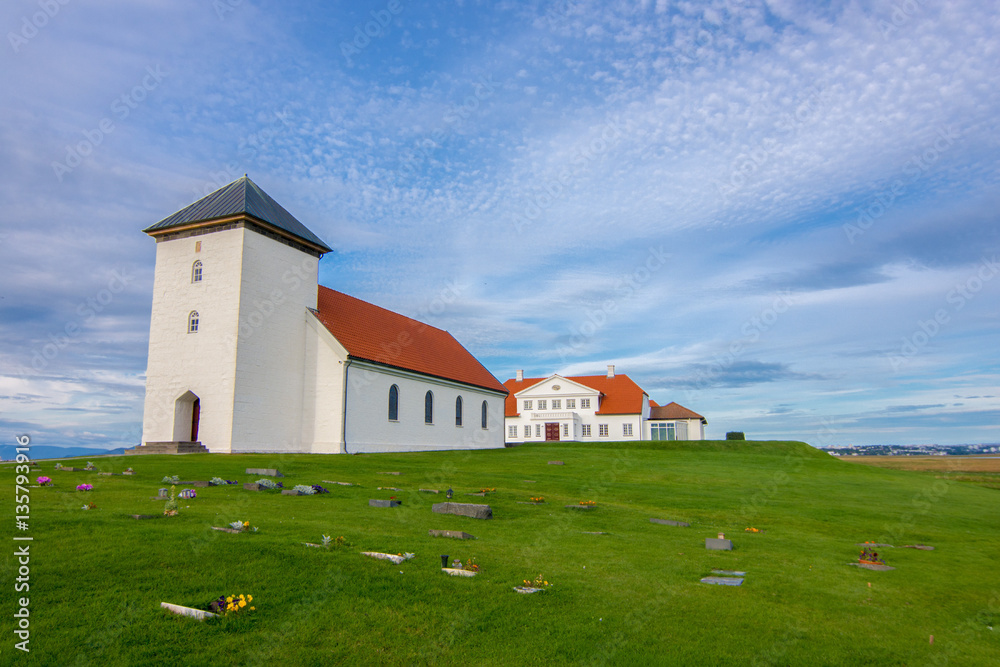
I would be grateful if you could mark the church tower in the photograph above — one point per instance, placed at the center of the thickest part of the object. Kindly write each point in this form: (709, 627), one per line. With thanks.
(235, 278)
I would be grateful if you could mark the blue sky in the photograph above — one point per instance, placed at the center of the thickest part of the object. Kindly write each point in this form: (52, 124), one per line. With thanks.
(782, 215)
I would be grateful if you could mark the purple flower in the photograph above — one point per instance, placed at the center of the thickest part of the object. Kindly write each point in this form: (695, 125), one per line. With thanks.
(84, 487)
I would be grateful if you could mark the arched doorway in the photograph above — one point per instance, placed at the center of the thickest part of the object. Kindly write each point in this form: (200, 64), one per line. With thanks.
(187, 417)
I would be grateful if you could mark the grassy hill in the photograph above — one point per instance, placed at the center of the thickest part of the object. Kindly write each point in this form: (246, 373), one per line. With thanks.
(630, 596)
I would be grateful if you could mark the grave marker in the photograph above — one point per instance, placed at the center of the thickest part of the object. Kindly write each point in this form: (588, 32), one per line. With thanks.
(200, 614)
(457, 534)
(556, 463)
(268, 472)
(670, 522)
(715, 544)
(377, 502)
(464, 509)
(723, 581)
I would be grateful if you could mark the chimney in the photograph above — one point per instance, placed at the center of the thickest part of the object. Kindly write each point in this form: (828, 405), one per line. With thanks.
(611, 370)
(520, 376)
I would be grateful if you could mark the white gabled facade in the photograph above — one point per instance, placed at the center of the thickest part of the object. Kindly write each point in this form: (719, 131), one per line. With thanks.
(243, 354)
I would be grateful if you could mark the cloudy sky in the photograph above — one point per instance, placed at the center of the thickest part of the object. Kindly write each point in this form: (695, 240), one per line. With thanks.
(782, 215)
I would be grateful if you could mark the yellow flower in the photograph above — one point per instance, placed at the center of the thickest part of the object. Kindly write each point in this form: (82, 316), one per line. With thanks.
(243, 603)
(249, 598)
(246, 523)
(229, 599)
(253, 608)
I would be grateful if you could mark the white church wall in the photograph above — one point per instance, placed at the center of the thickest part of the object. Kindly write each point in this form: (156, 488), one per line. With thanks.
(278, 284)
(369, 428)
(323, 390)
(199, 362)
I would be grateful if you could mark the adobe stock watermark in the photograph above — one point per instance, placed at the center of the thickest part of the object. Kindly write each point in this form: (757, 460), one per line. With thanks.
(365, 32)
(902, 13)
(31, 25)
(88, 310)
(121, 107)
(956, 298)
(554, 189)
(626, 287)
(918, 165)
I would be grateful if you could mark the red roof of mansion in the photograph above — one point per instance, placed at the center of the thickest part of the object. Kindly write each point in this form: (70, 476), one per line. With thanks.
(619, 394)
(375, 334)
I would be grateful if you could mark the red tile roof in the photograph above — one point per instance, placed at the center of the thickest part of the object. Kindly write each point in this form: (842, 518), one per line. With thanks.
(619, 395)
(674, 411)
(375, 334)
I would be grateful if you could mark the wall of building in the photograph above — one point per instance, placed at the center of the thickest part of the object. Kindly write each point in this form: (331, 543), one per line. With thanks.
(201, 362)
(369, 428)
(323, 390)
(278, 284)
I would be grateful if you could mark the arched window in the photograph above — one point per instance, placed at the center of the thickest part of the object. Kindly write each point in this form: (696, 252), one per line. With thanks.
(428, 408)
(196, 271)
(458, 411)
(193, 321)
(393, 403)
(484, 415)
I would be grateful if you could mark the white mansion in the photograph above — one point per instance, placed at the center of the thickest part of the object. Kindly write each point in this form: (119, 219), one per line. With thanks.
(592, 408)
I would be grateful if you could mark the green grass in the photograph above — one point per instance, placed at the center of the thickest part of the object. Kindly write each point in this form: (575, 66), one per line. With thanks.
(632, 596)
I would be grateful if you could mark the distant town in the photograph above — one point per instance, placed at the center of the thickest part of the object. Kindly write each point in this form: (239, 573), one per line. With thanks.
(915, 450)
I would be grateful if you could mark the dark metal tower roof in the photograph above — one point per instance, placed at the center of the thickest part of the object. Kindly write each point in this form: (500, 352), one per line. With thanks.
(241, 197)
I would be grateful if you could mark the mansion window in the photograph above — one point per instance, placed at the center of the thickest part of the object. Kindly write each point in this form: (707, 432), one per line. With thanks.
(584, 403)
(428, 408)
(196, 271)
(565, 430)
(193, 321)
(527, 405)
(585, 430)
(542, 404)
(393, 403)
(527, 430)
(571, 404)
(556, 404)
(626, 430)
(458, 411)
(662, 431)
(538, 430)
(512, 431)
(485, 423)
(602, 430)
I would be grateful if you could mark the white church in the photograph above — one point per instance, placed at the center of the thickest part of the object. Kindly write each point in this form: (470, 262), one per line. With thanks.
(248, 353)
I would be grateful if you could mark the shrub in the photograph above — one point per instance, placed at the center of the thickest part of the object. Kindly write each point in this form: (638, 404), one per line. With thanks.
(268, 484)
(304, 489)
(735, 435)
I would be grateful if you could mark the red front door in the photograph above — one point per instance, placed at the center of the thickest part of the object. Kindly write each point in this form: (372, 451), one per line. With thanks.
(195, 419)
(552, 431)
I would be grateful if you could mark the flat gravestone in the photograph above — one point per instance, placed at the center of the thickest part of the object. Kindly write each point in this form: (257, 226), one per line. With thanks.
(873, 566)
(457, 534)
(330, 481)
(464, 509)
(200, 614)
(716, 544)
(589, 532)
(378, 502)
(251, 486)
(730, 573)
(458, 573)
(723, 581)
(670, 522)
(226, 529)
(922, 547)
(268, 472)
(581, 507)
(387, 488)
(481, 494)
(146, 516)
(529, 481)
(388, 473)
(290, 492)
(556, 463)
(428, 490)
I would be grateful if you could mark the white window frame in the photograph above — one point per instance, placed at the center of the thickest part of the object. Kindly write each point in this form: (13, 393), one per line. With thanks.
(602, 430)
(193, 320)
(527, 430)
(585, 428)
(627, 430)
(527, 404)
(584, 403)
(512, 431)
(571, 404)
(542, 404)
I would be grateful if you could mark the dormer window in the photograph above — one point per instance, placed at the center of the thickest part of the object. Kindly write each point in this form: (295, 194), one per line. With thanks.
(193, 321)
(196, 271)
